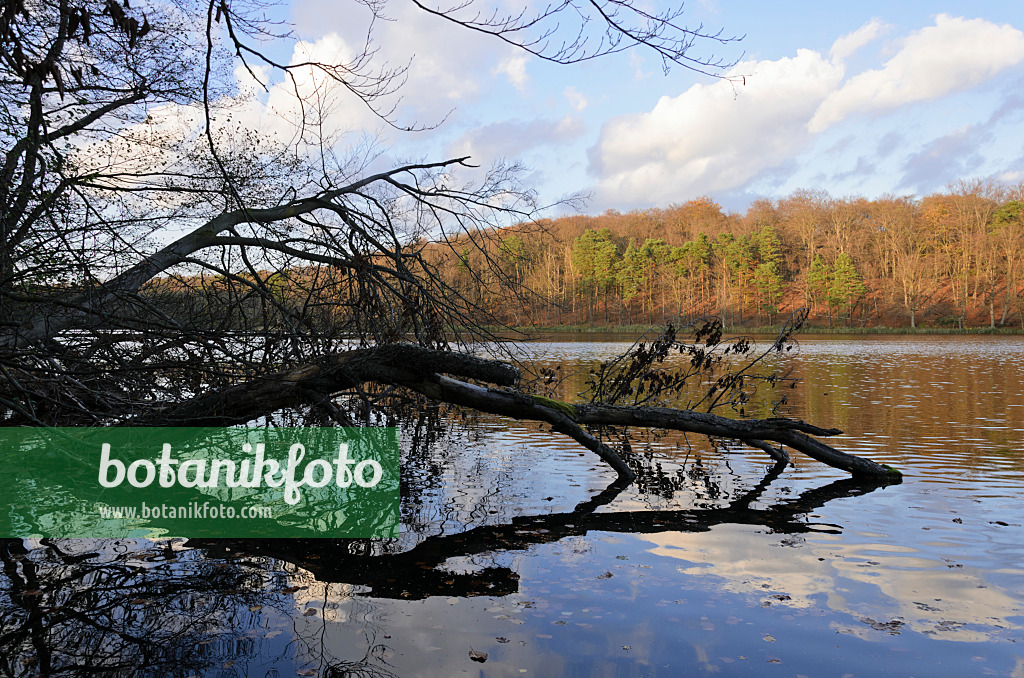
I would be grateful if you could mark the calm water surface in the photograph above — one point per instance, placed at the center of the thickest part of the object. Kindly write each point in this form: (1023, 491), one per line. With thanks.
(515, 545)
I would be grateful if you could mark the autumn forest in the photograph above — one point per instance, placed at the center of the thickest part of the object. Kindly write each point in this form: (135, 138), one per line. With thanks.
(951, 260)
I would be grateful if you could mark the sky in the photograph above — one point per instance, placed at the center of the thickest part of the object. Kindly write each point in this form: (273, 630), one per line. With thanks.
(863, 99)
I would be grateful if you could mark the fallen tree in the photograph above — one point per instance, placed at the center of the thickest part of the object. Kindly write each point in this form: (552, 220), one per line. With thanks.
(432, 373)
(209, 275)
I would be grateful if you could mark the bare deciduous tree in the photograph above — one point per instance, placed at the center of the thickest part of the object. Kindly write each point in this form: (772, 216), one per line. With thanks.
(180, 269)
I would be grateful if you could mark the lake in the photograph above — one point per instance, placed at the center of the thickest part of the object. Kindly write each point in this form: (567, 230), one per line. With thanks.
(516, 545)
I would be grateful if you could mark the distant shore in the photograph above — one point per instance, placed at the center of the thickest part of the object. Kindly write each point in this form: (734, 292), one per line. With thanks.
(768, 330)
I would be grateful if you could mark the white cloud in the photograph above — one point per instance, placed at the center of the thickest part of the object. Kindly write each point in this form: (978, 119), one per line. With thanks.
(308, 109)
(308, 102)
(448, 67)
(721, 138)
(953, 55)
(713, 138)
(252, 81)
(576, 99)
(514, 69)
(511, 138)
(845, 46)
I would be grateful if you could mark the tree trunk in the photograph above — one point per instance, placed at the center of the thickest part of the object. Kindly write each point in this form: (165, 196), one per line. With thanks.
(419, 369)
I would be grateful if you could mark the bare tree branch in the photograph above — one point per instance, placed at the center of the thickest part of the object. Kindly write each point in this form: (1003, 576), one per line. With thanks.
(420, 370)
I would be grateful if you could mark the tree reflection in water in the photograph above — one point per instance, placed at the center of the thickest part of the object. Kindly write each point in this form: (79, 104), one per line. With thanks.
(115, 609)
(420, 572)
(127, 608)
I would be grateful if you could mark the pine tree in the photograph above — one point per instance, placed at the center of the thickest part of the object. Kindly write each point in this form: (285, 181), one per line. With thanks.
(596, 259)
(632, 272)
(768, 274)
(769, 247)
(847, 286)
(818, 279)
(768, 281)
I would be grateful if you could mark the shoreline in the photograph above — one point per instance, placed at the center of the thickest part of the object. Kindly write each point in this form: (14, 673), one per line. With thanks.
(766, 330)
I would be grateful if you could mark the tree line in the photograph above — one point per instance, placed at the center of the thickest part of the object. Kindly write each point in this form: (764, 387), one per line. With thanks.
(950, 259)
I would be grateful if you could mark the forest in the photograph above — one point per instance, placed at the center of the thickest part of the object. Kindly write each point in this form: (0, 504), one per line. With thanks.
(952, 260)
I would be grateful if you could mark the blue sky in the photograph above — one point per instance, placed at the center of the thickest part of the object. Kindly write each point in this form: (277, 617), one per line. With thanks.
(854, 98)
